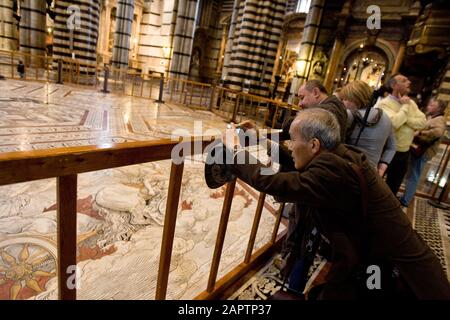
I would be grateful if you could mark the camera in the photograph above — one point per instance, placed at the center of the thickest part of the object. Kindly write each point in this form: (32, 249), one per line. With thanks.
(238, 129)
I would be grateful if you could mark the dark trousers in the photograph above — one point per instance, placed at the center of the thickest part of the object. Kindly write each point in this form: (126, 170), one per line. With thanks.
(396, 171)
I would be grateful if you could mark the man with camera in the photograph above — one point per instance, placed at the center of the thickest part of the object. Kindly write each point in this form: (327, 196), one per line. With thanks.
(343, 210)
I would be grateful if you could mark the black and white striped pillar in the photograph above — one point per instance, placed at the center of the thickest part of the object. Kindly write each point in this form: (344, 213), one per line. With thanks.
(309, 37)
(122, 35)
(8, 39)
(183, 37)
(33, 28)
(231, 34)
(76, 31)
(151, 40)
(258, 31)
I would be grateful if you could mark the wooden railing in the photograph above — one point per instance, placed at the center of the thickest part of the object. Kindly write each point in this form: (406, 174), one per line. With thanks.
(66, 163)
(238, 106)
(232, 104)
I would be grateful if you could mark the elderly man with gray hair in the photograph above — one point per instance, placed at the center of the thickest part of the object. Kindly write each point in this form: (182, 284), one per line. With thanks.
(345, 212)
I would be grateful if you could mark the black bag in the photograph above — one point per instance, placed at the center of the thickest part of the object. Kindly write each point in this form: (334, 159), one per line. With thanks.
(419, 146)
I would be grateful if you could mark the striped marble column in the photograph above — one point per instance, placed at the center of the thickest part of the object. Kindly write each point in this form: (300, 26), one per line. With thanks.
(154, 37)
(8, 39)
(291, 6)
(309, 38)
(183, 38)
(255, 44)
(211, 50)
(69, 37)
(231, 34)
(122, 35)
(33, 28)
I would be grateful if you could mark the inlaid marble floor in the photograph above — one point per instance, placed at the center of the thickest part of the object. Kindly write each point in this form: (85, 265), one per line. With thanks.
(121, 210)
(40, 116)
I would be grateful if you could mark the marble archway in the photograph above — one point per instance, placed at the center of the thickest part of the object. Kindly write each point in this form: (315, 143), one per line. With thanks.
(368, 63)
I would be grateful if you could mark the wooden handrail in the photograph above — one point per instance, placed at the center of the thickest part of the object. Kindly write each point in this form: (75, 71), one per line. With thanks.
(66, 163)
(41, 164)
(189, 82)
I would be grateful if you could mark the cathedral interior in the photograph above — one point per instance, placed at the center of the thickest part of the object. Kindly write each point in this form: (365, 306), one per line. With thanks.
(95, 95)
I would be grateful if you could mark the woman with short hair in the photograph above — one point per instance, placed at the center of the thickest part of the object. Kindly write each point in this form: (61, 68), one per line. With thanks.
(376, 139)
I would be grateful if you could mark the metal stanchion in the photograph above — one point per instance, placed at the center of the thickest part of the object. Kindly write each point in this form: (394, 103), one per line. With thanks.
(161, 89)
(105, 80)
(60, 69)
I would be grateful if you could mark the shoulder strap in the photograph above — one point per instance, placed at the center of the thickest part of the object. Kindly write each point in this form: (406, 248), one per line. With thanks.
(366, 115)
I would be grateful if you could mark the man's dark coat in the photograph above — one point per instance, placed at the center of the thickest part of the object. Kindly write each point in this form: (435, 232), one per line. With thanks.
(328, 193)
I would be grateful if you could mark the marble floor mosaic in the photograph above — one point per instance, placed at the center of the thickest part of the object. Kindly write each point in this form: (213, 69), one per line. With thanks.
(121, 210)
(47, 115)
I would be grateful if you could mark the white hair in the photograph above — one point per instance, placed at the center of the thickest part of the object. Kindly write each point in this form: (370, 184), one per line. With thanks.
(320, 124)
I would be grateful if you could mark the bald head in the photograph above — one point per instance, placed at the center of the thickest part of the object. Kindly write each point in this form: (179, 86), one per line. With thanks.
(400, 85)
(311, 93)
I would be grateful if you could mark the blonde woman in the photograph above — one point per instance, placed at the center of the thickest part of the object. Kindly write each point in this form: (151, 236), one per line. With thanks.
(377, 139)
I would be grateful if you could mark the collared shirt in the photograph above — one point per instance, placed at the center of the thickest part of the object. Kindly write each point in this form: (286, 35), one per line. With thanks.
(395, 98)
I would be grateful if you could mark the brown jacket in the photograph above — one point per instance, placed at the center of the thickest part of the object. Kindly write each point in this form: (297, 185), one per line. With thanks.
(435, 128)
(327, 191)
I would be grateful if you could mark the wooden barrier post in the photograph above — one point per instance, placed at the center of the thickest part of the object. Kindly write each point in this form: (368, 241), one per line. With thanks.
(201, 96)
(236, 107)
(181, 93)
(47, 68)
(171, 89)
(192, 94)
(67, 236)
(170, 218)
(274, 119)
(221, 235)
(258, 213)
(211, 97)
(277, 222)
(133, 80)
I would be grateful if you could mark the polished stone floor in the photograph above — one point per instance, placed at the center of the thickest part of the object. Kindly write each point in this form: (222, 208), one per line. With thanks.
(37, 115)
(120, 210)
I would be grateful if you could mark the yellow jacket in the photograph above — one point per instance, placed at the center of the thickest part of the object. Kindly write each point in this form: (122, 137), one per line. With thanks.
(405, 118)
